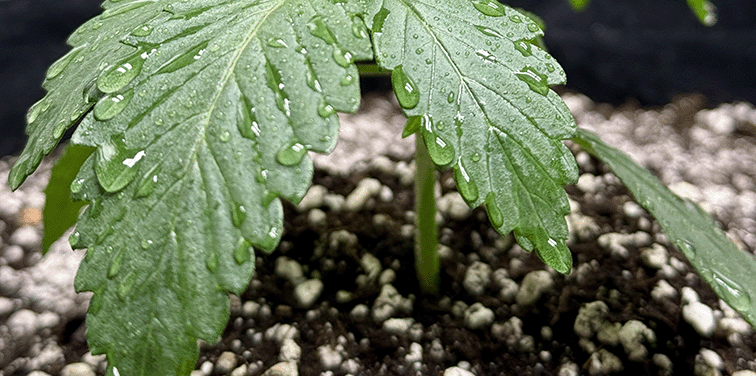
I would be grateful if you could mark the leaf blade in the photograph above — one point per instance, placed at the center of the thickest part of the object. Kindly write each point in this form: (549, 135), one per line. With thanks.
(485, 111)
(728, 270)
(201, 119)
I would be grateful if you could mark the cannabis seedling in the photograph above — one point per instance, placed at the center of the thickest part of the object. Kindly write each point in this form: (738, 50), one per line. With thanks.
(195, 117)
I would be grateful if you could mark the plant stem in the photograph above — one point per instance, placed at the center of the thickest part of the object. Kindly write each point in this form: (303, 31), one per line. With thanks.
(372, 70)
(427, 265)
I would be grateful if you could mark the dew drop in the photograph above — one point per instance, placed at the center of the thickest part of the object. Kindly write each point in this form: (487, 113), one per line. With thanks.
(212, 262)
(475, 157)
(487, 31)
(142, 31)
(248, 126)
(238, 215)
(74, 239)
(111, 105)
(36, 109)
(347, 80)
(687, 249)
(115, 266)
(524, 47)
(325, 109)
(60, 129)
(116, 165)
(312, 78)
(146, 243)
(292, 154)
(466, 186)
(550, 67)
(535, 80)
(489, 8)
(450, 97)
(124, 289)
(225, 136)
(494, 212)
(243, 251)
(148, 183)
(57, 67)
(359, 30)
(441, 152)
(117, 76)
(277, 43)
(533, 27)
(731, 292)
(404, 88)
(182, 60)
(516, 19)
(343, 58)
(319, 29)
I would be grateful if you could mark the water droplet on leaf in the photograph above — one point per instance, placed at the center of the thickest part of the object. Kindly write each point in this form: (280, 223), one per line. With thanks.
(115, 77)
(404, 88)
(325, 109)
(732, 293)
(142, 31)
(359, 29)
(148, 183)
(116, 165)
(488, 31)
(57, 67)
(115, 266)
(494, 212)
(292, 154)
(524, 47)
(441, 152)
(466, 186)
(687, 249)
(225, 136)
(111, 105)
(182, 60)
(238, 215)
(243, 251)
(73, 239)
(124, 289)
(212, 262)
(535, 80)
(490, 8)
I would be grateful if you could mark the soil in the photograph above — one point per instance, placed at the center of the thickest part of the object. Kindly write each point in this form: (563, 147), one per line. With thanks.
(340, 333)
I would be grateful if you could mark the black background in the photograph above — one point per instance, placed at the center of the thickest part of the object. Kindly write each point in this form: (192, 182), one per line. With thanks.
(615, 50)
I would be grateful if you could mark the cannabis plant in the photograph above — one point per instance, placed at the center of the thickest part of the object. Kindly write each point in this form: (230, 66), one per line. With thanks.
(194, 118)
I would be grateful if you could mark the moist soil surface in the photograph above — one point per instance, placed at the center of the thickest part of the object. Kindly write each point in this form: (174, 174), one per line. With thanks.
(500, 311)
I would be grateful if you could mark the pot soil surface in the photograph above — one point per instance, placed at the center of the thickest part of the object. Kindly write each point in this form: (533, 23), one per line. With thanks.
(339, 296)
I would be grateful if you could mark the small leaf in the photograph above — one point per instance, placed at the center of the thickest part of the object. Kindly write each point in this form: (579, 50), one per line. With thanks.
(60, 211)
(727, 269)
(202, 118)
(472, 83)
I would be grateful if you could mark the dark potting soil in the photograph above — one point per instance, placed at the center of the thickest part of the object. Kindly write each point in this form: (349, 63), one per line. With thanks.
(381, 353)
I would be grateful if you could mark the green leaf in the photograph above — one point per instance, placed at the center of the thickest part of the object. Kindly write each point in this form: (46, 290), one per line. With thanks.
(202, 114)
(60, 211)
(467, 71)
(579, 5)
(704, 11)
(727, 269)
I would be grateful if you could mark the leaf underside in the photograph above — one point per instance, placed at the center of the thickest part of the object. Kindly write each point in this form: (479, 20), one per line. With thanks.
(727, 269)
(202, 114)
(476, 88)
(60, 211)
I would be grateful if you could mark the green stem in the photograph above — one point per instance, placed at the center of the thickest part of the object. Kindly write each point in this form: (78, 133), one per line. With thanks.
(427, 264)
(372, 70)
